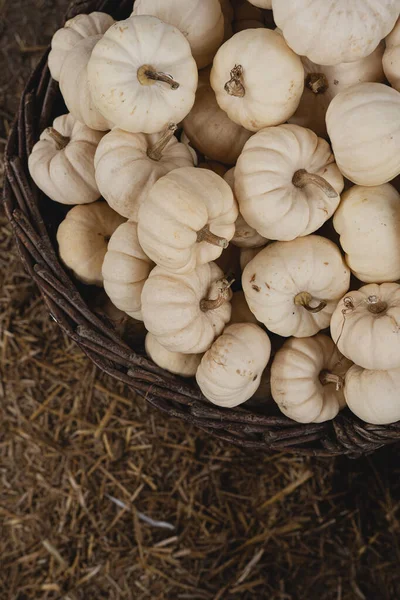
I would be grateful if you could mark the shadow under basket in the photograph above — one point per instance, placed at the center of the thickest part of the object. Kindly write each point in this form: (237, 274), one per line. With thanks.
(34, 219)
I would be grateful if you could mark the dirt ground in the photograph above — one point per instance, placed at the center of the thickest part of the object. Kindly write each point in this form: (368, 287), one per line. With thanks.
(101, 497)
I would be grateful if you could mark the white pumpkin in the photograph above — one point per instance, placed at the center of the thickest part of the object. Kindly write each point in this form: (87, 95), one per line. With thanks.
(286, 182)
(62, 161)
(241, 312)
(230, 372)
(201, 22)
(184, 365)
(294, 287)
(251, 94)
(391, 57)
(307, 379)
(373, 395)
(75, 30)
(188, 219)
(125, 270)
(330, 33)
(365, 326)
(74, 85)
(186, 312)
(83, 238)
(129, 164)
(211, 131)
(142, 75)
(365, 145)
(368, 222)
(323, 83)
(247, 255)
(245, 236)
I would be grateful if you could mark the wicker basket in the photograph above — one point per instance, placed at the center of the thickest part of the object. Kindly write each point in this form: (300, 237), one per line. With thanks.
(34, 219)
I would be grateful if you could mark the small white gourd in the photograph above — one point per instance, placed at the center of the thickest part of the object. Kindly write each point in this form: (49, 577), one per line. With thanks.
(62, 161)
(125, 270)
(368, 222)
(322, 83)
(75, 30)
(307, 379)
(294, 287)
(333, 32)
(287, 182)
(75, 88)
(187, 219)
(230, 372)
(366, 326)
(128, 165)
(365, 144)
(373, 395)
(201, 22)
(83, 238)
(142, 75)
(177, 363)
(252, 95)
(186, 312)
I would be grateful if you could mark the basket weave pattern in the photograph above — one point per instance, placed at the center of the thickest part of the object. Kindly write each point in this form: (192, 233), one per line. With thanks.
(34, 226)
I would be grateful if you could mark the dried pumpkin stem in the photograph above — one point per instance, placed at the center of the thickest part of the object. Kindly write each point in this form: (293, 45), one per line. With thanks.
(304, 299)
(156, 151)
(317, 83)
(61, 140)
(147, 75)
(327, 377)
(235, 87)
(205, 235)
(302, 178)
(223, 296)
(376, 306)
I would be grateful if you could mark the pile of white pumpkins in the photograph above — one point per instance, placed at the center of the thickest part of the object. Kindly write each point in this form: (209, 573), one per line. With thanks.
(159, 229)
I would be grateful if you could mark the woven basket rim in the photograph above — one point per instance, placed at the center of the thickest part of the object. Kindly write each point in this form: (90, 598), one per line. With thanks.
(346, 434)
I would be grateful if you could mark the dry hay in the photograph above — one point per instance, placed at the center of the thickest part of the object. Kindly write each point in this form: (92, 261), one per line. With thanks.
(101, 497)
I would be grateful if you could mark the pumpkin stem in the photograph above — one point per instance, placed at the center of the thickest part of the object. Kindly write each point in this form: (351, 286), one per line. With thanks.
(304, 299)
(156, 151)
(234, 87)
(223, 295)
(147, 75)
(376, 306)
(317, 83)
(61, 140)
(205, 235)
(302, 178)
(327, 377)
